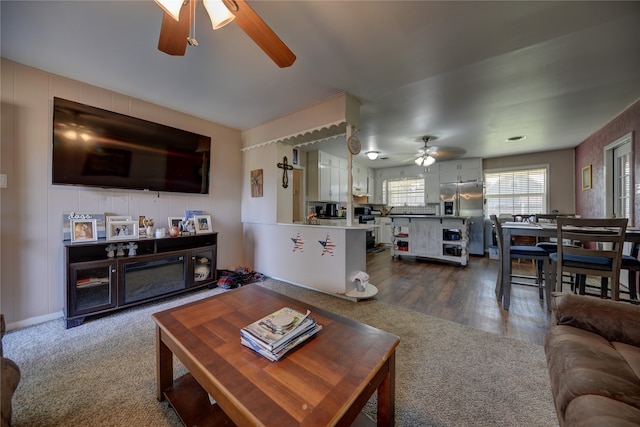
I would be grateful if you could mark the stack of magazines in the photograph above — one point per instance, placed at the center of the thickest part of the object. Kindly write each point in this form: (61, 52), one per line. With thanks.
(274, 335)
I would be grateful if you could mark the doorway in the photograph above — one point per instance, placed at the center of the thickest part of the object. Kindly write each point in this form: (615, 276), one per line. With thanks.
(618, 178)
(618, 173)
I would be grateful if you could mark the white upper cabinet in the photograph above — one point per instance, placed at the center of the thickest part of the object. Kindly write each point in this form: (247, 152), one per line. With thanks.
(463, 170)
(360, 179)
(327, 178)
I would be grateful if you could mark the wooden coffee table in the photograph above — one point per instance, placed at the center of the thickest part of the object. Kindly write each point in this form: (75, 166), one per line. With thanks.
(324, 382)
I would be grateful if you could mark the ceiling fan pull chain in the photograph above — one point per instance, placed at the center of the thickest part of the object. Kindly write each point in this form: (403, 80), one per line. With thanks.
(192, 11)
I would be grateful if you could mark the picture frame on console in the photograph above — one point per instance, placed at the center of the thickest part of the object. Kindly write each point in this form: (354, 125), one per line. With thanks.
(67, 217)
(122, 230)
(118, 218)
(203, 224)
(84, 230)
(175, 221)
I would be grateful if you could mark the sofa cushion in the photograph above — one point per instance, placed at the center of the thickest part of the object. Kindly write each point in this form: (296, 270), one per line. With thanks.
(614, 320)
(10, 375)
(631, 354)
(598, 411)
(583, 363)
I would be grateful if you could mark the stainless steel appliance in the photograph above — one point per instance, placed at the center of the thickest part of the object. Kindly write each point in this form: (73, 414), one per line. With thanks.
(466, 199)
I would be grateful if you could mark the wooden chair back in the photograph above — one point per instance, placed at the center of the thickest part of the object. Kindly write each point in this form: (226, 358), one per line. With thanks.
(606, 234)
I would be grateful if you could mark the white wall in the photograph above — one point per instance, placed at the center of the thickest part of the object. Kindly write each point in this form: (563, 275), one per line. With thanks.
(31, 247)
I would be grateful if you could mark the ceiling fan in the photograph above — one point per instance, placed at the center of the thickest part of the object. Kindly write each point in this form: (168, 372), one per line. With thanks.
(179, 14)
(428, 155)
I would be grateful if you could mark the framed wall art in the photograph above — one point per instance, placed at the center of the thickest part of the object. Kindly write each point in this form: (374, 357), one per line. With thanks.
(256, 183)
(84, 230)
(203, 224)
(586, 178)
(122, 230)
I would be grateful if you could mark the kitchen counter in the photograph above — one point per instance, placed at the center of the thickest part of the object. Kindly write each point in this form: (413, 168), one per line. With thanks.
(443, 238)
(428, 216)
(325, 258)
(331, 225)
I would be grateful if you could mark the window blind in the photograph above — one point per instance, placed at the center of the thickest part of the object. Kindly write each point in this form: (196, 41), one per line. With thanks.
(516, 192)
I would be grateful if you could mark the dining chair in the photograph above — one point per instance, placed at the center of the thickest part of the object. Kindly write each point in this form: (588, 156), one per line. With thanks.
(541, 280)
(551, 245)
(599, 253)
(632, 265)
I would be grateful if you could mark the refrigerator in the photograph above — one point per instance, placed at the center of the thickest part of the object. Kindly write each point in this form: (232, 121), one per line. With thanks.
(466, 199)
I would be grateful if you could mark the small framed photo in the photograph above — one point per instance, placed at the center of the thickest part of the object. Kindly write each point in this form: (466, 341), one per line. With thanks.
(118, 218)
(586, 178)
(84, 230)
(203, 224)
(175, 221)
(122, 230)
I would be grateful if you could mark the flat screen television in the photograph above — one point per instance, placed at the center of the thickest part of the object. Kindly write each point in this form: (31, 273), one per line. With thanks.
(99, 148)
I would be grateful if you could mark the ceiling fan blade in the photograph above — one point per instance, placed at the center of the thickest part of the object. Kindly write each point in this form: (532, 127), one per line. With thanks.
(249, 21)
(443, 153)
(174, 34)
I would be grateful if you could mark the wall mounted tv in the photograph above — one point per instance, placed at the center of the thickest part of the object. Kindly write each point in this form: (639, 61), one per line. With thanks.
(98, 148)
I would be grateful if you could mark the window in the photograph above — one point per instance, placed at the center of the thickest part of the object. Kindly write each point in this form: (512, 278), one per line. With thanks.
(403, 192)
(517, 192)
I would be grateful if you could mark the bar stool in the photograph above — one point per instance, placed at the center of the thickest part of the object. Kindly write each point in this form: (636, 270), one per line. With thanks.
(534, 253)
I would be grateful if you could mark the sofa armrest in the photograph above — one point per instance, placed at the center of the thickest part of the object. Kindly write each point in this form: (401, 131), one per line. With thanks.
(613, 320)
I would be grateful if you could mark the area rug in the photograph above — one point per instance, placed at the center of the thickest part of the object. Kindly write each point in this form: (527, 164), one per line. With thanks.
(102, 373)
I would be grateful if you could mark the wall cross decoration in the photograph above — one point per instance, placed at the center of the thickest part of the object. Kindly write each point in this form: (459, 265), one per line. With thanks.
(287, 167)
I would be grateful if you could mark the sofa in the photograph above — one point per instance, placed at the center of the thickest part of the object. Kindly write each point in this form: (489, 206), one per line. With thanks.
(593, 357)
(9, 378)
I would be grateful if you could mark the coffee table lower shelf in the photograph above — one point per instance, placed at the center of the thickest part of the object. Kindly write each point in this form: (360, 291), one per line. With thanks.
(191, 403)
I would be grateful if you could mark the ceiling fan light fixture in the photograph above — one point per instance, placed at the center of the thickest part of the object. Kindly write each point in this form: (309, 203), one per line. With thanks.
(219, 13)
(172, 7)
(372, 155)
(425, 161)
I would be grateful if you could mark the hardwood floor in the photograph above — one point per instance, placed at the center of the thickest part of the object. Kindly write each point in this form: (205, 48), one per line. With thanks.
(463, 295)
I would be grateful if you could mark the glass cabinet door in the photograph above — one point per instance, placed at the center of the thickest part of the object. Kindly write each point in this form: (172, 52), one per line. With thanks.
(92, 286)
(203, 266)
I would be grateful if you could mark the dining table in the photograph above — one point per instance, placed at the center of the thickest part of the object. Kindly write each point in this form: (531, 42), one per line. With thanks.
(539, 231)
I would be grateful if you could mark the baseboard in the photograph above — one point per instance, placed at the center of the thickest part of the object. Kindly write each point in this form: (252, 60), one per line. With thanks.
(34, 321)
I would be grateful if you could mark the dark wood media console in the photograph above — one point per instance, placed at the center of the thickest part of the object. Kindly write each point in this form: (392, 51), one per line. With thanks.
(161, 267)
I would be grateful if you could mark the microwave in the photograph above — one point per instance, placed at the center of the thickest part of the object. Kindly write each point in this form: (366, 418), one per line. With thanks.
(361, 211)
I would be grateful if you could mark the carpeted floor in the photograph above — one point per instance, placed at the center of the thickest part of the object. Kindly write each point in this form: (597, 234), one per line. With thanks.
(102, 373)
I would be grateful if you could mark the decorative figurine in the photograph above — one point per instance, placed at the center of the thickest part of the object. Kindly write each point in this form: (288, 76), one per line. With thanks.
(132, 248)
(120, 249)
(110, 250)
(148, 223)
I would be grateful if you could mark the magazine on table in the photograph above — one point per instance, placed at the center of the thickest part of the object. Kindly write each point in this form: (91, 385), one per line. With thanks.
(279, 327)
(276, 355)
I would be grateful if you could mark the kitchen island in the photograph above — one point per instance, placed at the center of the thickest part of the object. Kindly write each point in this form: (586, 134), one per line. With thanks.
(325, 258)
(444, 238)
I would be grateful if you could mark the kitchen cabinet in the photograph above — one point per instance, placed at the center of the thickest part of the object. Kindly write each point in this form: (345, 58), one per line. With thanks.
(383, 234)
(327, 178)
(463, 170)
(360, 179)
